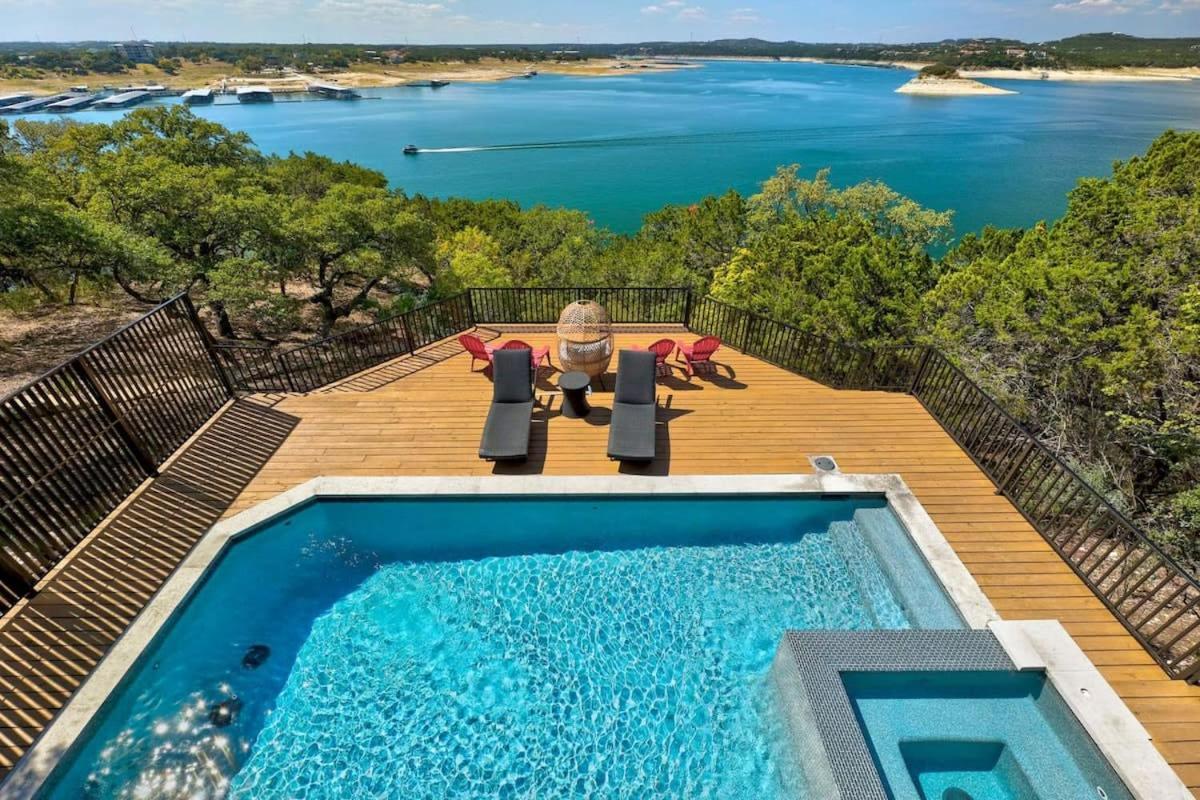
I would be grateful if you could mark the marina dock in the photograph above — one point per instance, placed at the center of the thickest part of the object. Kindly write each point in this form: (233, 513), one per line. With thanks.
(198, 97)
(35, 104)
(13, 99)
(333, 91)
(254, 94)
(124, 99)
(74, 103)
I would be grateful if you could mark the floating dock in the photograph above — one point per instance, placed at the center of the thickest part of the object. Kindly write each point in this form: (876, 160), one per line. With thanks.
(254, 94)
(74, 103)
(35, 104)
(333, 91)
(13, 99)
(198, 97)
(124, 99)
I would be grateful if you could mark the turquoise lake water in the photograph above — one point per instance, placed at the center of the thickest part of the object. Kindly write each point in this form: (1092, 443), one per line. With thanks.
(622, 146)
(483, 648)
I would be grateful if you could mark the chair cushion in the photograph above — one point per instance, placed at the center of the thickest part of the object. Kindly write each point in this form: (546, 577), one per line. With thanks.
(512, 378)
(506, 432)
(635, 377)
(631, 433)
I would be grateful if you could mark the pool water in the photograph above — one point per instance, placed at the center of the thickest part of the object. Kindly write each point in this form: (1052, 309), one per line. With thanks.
(493, 648)
(977, 736)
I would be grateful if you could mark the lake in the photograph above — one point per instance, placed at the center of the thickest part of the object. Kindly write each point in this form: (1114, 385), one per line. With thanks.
(621, 146)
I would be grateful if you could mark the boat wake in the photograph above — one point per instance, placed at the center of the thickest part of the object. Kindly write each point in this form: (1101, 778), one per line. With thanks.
(841, 135)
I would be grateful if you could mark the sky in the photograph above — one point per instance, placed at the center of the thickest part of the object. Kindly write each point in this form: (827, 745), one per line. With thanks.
(511, 21)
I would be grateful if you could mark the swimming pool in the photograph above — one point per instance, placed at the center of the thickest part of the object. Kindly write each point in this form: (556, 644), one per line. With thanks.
(490, 646)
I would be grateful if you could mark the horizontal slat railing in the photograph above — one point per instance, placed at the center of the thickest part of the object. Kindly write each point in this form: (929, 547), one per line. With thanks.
(78, 440)
(1154, 597)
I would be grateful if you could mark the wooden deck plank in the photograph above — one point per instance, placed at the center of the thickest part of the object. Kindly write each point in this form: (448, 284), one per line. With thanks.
(423, 415)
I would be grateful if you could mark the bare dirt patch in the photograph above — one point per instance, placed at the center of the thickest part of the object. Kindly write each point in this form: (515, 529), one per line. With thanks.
(32, 342)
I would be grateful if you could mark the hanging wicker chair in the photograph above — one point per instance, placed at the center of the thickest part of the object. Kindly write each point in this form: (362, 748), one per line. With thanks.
(585, 339)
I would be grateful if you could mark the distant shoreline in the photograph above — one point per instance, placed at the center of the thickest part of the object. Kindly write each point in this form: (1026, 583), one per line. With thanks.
(361, 76)
(1116, 75)
(489, 70)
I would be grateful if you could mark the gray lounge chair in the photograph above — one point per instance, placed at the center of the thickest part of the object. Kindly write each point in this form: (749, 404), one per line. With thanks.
(631, 433)
(506, 432)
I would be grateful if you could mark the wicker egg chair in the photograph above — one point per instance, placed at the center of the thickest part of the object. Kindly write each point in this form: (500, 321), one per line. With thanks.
(585, 338)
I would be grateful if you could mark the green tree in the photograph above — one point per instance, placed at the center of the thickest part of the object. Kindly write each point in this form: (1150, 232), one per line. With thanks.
(469, 258)
(848, 263)
(1090, 327)
(680, 245)
(348, 243)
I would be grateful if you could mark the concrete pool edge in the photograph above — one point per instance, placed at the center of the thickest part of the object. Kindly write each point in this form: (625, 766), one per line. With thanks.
(59, 737)
(1044, 645)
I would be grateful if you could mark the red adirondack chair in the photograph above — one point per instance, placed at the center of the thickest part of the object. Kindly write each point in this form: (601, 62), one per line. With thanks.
(538, 354)
(478, 350)
(662, 349)
(698, 353)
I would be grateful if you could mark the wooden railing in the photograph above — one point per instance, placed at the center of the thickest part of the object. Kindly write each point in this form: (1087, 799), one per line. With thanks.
(77, 441)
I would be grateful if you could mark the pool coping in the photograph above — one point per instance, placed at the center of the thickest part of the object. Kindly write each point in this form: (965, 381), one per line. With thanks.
(43, 756)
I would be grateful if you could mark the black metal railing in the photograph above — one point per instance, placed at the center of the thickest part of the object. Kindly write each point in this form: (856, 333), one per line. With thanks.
(263, 368)
(542, 306)
(834, 363)
(78, 440)
(1154, 597)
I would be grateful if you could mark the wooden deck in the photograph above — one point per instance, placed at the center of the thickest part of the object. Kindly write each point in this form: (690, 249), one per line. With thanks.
(422, 415)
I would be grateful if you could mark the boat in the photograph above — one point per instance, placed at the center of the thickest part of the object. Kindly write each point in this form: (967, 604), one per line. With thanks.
(436, 84)
(411, 150)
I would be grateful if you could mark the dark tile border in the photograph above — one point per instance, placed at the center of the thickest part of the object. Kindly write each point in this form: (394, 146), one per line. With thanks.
(809, 664)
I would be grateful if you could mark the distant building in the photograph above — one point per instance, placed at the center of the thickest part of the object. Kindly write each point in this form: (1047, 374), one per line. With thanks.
(137, 52)
(1016, 52)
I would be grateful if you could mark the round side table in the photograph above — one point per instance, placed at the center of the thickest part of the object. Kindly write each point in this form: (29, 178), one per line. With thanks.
(574, 387)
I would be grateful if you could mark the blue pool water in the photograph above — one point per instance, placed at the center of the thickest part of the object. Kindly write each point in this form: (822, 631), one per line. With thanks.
(977, 736)
(495, 648)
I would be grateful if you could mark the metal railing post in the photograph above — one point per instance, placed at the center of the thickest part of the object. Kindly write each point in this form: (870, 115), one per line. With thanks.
(926, 352)
(206, 340)
(471, 308)
(687, 308)
(408, 337)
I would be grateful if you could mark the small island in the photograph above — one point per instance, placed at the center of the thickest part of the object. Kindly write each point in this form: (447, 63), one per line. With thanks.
(943, 80)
